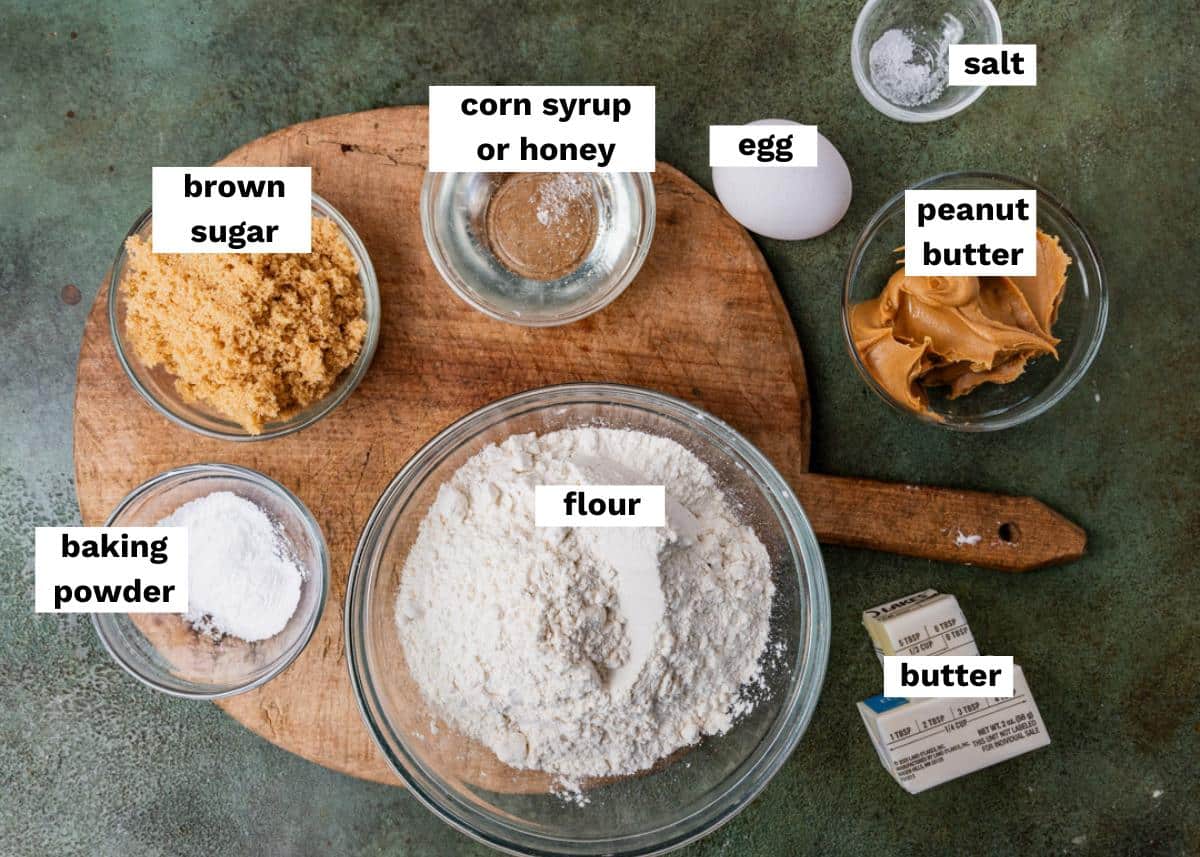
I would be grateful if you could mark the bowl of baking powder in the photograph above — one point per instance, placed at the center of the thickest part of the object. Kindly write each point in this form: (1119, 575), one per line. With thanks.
(258, 576)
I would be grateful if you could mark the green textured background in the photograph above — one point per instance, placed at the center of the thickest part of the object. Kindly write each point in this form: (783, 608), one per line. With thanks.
(92, 94)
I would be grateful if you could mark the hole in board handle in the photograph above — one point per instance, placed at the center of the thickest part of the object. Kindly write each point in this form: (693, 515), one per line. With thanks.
(1009, 533)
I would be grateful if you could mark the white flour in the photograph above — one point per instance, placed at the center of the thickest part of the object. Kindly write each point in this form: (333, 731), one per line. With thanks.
(242, 577)
(584, 652)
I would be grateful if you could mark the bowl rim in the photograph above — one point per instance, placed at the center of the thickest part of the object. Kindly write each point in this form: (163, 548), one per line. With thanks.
(357, 371)
(1063, 384)
(233, 471)
(894, 111)
(429, 230)
(786, 731)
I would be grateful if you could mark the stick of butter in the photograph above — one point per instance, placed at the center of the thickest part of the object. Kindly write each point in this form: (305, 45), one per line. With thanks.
(925, 623)
(926, 742)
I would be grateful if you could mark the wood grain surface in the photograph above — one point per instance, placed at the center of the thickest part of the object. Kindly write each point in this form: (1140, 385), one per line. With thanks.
(703, 321)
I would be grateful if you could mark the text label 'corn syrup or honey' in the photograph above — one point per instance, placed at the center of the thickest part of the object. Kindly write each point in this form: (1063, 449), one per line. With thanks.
(533, 129)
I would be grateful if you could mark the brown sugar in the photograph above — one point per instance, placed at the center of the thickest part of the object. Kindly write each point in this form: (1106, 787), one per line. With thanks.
(255, 336)
(542, 225)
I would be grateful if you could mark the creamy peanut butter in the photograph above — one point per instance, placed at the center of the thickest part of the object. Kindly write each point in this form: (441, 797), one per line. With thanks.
(959, 332)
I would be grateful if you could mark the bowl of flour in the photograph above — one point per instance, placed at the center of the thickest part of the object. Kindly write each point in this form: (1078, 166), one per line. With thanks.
(589, 690)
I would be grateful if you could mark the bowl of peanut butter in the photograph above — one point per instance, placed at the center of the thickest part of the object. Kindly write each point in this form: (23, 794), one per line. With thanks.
(974, 353)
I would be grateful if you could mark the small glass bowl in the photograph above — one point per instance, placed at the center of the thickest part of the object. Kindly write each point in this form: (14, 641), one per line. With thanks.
(680, 799)
(157, 386)
(161, 650)
(453, 211)
(981, 26)
(1045, 381)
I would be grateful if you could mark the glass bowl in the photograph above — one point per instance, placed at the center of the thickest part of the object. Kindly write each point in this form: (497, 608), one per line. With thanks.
(923, 21)
(160, 649)
(681, 798)
(1045, 381)
(157, 386)
(453, 211)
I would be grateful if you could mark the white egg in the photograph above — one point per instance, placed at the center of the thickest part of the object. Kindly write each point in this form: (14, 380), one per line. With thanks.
(791, 203)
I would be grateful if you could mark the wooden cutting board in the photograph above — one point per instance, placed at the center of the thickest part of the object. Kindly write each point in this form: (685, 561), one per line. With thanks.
(703, 321)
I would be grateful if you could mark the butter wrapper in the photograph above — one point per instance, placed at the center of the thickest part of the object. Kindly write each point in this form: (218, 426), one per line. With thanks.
(926, 623)
(926, 742)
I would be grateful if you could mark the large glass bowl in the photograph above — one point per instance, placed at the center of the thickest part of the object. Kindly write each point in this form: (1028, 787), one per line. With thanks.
(681, 799)
(1045, 381)
(157, 386)
(160, 649)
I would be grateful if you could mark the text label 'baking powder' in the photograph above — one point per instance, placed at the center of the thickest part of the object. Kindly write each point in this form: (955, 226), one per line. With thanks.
(111, 570)
(531, 129)
(970, 233)
(232, 210)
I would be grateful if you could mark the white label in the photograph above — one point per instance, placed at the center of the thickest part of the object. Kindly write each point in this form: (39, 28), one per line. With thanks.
(970, 233)
(993, 65)
(762, 145)
(915, 677)
(529, 129)
(232, 210)
(600, 506)
(111, 570)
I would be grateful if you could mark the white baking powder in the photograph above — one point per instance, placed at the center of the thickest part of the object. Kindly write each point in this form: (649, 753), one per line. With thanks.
(584, 652)
(243, 578)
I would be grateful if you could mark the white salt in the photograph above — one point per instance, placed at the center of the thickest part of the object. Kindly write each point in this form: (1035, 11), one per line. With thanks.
(909, 69)
(242, 577)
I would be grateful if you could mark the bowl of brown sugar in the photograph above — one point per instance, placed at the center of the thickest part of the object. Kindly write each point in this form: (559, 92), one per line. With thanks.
(538, 249)
(246, 346)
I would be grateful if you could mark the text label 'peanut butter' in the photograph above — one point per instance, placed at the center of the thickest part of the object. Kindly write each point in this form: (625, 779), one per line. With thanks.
(970, 233)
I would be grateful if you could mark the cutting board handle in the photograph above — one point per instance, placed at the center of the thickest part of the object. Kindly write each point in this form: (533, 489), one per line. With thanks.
(969, 527)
